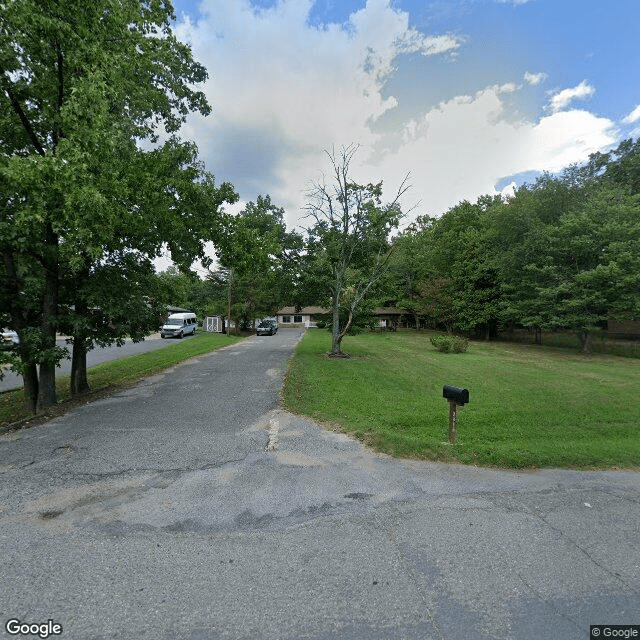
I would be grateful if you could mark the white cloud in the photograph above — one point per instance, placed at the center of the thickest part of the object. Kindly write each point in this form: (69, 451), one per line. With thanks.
(563, 98)
(434, 45)
(634, 116)
(461, 148)
(534, 79)
(282, 91)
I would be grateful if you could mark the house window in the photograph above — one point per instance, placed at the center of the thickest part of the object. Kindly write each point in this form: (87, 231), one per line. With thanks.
(297, 319)
(286, 319)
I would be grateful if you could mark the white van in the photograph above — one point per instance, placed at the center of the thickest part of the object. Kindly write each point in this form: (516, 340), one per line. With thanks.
(178, 325)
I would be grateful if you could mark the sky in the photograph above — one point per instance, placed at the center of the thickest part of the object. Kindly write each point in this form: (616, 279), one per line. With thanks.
(468, 97)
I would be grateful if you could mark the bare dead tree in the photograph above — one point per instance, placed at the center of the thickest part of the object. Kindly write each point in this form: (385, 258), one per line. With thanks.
(349, 235)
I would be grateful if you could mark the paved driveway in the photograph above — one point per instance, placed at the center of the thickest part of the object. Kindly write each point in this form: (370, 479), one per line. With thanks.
(192, 507)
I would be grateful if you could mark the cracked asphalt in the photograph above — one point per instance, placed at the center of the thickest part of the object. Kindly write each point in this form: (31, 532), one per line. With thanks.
(194, 507)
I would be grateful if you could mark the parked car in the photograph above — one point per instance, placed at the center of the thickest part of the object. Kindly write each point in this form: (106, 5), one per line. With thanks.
(10, 339)
(267, 328)
(178, 325)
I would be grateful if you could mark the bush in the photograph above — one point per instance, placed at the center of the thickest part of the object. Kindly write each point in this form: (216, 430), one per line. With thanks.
(459, 344)
(446, 344)
(441, 343)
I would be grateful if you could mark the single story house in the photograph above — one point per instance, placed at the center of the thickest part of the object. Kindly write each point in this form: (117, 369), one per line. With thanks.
(388, 317)
(307, 316)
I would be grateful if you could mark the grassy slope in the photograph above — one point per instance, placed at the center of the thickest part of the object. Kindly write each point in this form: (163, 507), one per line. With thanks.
(529, 406)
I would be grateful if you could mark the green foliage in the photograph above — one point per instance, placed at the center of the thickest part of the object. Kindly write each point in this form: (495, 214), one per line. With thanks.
(90, 194)
(450, 344)
(259, 260)
(569, 255)
(441, 343)
(561, 255)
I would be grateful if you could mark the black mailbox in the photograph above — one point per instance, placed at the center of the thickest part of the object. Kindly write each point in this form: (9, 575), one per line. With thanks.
(455, 394)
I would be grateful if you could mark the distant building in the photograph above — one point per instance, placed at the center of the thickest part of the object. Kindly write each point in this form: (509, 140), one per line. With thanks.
(308, 317)
(623, 328)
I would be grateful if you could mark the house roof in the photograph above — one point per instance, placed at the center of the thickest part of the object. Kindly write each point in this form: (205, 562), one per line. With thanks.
(307, 311)
(312, 311)
(388, 311)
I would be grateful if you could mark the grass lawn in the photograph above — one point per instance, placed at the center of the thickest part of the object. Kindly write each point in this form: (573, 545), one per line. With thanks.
(529, 406)
(105, 378)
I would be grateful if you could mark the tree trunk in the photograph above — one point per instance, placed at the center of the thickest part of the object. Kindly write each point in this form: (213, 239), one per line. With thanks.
(586, 339)
(47, 381)
(336, 338)
(46, 387)
(79, 382)
(30, 378)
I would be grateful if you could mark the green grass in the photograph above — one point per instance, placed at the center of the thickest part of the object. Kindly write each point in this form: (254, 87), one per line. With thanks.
(529, 406)
(601, 343)
(121, 372)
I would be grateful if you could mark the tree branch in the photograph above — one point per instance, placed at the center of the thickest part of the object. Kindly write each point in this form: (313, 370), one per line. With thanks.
(21, 114)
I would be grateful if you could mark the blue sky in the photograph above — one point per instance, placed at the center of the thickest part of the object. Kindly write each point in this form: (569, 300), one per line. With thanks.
(468, 96)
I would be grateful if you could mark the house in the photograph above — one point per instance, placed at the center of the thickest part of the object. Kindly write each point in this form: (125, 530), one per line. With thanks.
(306, 317)
(388, 317)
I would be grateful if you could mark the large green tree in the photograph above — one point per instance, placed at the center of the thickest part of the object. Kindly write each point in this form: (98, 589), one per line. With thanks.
(86, 90)
(259, 260)
(567, 252)
(409, 269)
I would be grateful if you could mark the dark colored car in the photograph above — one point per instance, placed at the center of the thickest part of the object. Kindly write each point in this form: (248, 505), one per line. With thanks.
(267, 328)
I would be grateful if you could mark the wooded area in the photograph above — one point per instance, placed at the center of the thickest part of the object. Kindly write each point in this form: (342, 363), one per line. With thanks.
(561, 254)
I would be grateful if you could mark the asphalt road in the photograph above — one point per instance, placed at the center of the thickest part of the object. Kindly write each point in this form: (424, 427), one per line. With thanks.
(192, 507)
(96, 356)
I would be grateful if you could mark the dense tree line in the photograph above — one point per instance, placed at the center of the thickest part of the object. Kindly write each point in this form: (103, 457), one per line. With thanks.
(561, 254)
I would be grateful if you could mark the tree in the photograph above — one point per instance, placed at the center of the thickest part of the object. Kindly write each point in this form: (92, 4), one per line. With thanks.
(348, 241)
(570, 254)
(113, 300)
(259, 258)
(408, 269)
(85, 93)
(449, 264)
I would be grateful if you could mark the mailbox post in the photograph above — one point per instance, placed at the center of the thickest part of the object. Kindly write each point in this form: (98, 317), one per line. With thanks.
(457, 397)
